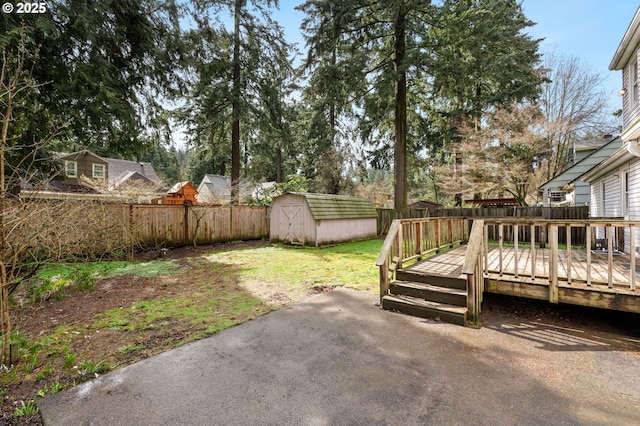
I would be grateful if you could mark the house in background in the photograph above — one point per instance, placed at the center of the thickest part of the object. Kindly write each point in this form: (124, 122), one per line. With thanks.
(112, 171)
(568, 188)
(424, 205)
(216, 189)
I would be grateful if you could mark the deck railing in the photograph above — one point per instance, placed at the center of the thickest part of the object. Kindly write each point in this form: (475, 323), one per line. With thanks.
(473, 268)
(411, 239)
(570, 244)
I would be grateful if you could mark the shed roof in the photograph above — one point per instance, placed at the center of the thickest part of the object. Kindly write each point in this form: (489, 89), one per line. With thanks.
(327, 206)
(181, 187)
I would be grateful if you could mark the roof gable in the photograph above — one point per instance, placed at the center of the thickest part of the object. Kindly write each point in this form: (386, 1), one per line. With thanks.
(119, 168)
(627, 46)
(74, 156)
(580, 168)
(327, 206)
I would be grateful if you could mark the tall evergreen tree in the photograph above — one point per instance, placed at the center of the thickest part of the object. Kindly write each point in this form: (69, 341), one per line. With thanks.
(232, 66)
(425, 63)
(103, 68)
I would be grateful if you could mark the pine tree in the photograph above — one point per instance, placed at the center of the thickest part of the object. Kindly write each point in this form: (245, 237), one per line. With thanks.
(233, 83)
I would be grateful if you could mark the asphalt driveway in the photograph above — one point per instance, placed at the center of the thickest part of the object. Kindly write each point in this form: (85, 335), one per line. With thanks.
(337, 359)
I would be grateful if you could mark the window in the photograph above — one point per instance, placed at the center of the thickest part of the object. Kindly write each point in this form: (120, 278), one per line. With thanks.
(633, 80)
(98, 171)
(71, 169)
(557, 196)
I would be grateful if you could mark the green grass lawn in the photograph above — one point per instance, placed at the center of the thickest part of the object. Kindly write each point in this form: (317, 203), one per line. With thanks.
(349, 265)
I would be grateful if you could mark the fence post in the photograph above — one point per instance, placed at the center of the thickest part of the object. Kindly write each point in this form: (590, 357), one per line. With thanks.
(185, 228)
(131, 237)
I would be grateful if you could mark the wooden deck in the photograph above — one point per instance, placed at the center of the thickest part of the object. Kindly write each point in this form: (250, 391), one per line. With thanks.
(596, 287)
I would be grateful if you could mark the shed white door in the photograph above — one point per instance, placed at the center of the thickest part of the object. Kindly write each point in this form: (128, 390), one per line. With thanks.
(291, 223)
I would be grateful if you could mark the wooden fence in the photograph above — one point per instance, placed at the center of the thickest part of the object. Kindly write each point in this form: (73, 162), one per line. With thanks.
(183, 225)
(386, 216)
(66, 228)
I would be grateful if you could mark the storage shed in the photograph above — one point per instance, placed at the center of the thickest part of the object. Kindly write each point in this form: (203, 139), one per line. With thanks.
(319, 219)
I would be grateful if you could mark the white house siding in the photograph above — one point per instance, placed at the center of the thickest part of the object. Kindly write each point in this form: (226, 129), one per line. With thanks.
(634, 204)
(594, 203)
(334, 230)
(630, 112)
(611, 206)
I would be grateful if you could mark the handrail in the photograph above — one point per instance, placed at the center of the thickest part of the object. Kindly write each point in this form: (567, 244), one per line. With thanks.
(473, 269)
(611, 235)
(388, 241)
(410, 239)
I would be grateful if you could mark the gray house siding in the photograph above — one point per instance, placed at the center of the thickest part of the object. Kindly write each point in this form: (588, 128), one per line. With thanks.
(84, 166)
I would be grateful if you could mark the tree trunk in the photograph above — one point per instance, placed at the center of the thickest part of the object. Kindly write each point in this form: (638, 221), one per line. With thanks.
(400, 122)
(235, 108)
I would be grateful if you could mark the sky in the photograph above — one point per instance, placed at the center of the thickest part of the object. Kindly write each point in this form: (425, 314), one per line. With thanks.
(590, 30)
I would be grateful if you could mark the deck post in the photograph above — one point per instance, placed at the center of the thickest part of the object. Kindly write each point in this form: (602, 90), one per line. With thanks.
(515, 247)
(419, 240)
(588, 233)
(632, 254)
(568, 232)
(485, 244)
(471, 299)
(610, 255)
(500, 242)
(553, 265)
(399, 246)
(533, 251)
(384, 279)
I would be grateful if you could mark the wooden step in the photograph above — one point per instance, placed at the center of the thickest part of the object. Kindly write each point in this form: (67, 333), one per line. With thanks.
(434, 279)
(425, 309)
(433, 293)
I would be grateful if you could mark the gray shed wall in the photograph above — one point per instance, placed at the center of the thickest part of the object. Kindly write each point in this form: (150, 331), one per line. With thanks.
(291, 220)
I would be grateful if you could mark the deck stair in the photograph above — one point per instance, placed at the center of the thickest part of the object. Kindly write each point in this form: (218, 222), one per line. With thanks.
(428, 296)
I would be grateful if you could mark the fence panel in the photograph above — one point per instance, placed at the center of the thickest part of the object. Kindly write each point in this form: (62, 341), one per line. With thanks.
(578, 236)
(87, 228)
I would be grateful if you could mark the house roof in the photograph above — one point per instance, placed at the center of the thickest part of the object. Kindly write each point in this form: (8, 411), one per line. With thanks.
(220, 186)
(627, 46)
(129, 176)
(575, 172)
(73, 156)
(217, 184)
(423, 204)
(493, 202)
(119, 168)
(629, 151)
(328, 206)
